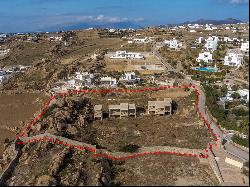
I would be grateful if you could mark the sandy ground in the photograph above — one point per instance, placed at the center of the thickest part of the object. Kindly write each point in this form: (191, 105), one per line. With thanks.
(15, 109)
(163, 170)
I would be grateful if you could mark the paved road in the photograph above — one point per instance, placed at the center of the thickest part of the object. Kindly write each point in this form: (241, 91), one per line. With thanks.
(223, 137)
(155, 50)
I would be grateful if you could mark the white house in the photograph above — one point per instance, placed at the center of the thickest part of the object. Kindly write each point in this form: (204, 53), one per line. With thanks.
(55, 38)
(233, 59)
(245, 47)
(205, 57)
(2, 76)
(227, 39)
(129, 78)
(4, 52)
(108, 81)
(127, 55)
(244, 94)
(211, 43)
(86, 77)
(173, 44)
(142, 40)
(200, 40)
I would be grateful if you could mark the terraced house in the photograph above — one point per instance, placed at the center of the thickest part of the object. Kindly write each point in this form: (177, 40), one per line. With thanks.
(160, 107)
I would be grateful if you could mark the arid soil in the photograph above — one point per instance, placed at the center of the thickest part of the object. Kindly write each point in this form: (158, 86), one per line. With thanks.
(16, 111)
(182, 129)
(47, 164)
(165, 170)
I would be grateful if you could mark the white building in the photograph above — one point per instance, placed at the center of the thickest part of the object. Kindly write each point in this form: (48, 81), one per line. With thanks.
(200, 40)
(2, 76)
(87, 78)
(142, 40)
(173, 44)
(205, 57)
(244, 94)
(55, 38)
(129, 78)
(4, 52)
(233, 59)
(127, 55)
(227, 39)
(211, 43)
(108, 81)
(245, 47)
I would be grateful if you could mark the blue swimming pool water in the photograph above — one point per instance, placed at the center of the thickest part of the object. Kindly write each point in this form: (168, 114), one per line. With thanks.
(207, 69)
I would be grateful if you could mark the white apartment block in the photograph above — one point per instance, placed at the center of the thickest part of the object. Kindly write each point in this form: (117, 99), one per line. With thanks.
(233, 59)
(205, 57)
(211, 43)
(245, 47)
(127, 55)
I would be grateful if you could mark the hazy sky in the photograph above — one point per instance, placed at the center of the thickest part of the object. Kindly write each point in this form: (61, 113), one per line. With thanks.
(35, 15)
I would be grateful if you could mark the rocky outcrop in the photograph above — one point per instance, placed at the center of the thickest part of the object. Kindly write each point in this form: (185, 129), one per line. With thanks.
(46, 180)
(57, 162)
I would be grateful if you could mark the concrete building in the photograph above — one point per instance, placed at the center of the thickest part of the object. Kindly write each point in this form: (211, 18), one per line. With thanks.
(122, 110)
(244, 94)
(205, 57)
(142, 40)
(200, 40)
(129, 78)
(4, 52)
(212, 43)
(87, 78)
(98, 112)
(233, 59)
(108, 81)
(160, 107)
(173, 44)
(127, 55)
(245, 47)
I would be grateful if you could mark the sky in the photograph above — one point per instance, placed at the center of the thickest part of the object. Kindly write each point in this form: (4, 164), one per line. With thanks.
(39, 15)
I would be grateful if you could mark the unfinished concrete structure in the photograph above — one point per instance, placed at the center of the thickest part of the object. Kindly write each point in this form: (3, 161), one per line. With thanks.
(122, 110)
(98, 112)
(160, 107)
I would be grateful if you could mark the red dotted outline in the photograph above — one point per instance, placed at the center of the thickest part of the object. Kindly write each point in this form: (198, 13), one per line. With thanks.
(34, 121)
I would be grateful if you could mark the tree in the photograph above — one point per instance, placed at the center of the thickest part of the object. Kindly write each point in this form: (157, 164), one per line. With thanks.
(236, 95)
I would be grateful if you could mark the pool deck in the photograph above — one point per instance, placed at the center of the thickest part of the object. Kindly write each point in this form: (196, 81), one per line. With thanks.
(207, 69)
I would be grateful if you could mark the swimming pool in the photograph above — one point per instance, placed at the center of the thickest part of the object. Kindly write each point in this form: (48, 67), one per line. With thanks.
(207, 69)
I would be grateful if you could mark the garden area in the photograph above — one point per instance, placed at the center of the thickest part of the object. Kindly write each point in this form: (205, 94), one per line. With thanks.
(235, 115)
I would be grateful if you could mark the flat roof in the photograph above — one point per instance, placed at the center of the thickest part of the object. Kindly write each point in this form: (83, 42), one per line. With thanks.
(124, 106)
(165, 102)
(98, 107)
(114, 106)
(131, 106)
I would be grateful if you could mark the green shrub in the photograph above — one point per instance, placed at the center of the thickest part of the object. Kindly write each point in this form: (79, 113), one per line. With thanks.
(240, 141)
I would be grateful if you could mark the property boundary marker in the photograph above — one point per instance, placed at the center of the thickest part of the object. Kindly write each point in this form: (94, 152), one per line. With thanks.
(106, 155)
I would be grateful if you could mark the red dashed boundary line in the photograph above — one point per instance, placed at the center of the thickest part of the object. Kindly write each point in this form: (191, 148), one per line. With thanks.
(54, 97)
